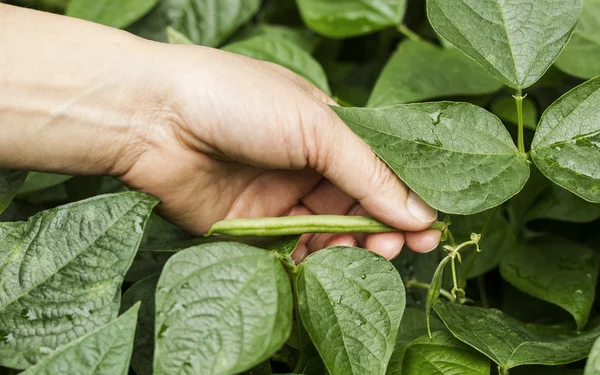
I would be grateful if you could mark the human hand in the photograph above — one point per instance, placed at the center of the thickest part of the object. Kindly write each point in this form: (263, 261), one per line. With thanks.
(214, 135)
(236, 137)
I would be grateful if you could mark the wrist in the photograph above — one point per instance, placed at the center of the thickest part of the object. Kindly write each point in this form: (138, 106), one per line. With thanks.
(77, 99)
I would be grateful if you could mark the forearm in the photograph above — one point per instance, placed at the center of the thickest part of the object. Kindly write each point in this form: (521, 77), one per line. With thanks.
(70, 94)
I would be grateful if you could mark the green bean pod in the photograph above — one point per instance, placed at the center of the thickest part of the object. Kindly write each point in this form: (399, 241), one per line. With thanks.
(289, 225)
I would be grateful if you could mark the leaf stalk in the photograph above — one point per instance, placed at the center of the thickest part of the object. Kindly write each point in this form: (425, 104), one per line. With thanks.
(519, 102)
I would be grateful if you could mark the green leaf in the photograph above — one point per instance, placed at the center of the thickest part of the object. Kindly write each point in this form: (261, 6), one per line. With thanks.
(440, 355)
(516, 41)
(222, 308)
(414, 325)
(560, 204)
(302, 37)
(143, 347)
(342, 19)
(458, 157)
(511, 343)
(420, 71)
(592, 366)
(556, 270)
(351, 302)
(10, 183)
(62, 272)
(505, 108)
(434, 291)
(114, 13)
(284, 53)
(37, 181)
(205, 22)
(566, 147)
(104, 351)
(581, 56)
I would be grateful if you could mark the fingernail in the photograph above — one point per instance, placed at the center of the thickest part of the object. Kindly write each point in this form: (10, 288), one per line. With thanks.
(395, 254)
(433, 248)
(419, 209)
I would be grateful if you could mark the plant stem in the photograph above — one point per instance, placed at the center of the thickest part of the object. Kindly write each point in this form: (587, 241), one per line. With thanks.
(502, 370)
(454, 279)
(519, 101)
(409, 33)
(418, 284)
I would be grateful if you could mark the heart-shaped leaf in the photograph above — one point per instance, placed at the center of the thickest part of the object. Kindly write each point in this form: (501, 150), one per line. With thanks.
(351, 302)
(581, 56)
(566, 147)
(419, 71)
(458, 157)
(555, 270)
(62, 272)
(515, 40)
(442, 354)
(221, 308)
(511, 343)
(105, 350)
(342, 19)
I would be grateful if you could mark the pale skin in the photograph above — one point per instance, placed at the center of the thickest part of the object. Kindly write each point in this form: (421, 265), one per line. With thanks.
(214, 135)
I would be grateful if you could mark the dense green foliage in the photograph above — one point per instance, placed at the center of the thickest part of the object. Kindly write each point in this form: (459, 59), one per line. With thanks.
(437, 89)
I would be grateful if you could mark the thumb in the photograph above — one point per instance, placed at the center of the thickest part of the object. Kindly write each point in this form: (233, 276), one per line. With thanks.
(348, 162)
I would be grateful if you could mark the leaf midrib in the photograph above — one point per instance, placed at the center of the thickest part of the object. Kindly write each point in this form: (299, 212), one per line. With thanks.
(515, 153)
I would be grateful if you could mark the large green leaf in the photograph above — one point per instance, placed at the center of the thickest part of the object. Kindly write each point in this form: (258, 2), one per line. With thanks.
(566, 147)
(10, 183)
(511, 343)
(351, 302)
(458, 157)
(62, 272)
(419, 71)
(341, 19)
(556, 270)
(285, 53)
(515, 40)
(104, 351)
(221, 308)
(559, 204)
(114, 13)
(440, 355)
(204, 22)
(581, 56)
(592, 366)
(143, 347)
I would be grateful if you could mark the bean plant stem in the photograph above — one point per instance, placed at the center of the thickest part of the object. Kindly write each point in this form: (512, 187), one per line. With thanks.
(409, 33)
(454, 279)
(502, 370)
(519, 101)
(418, 284)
